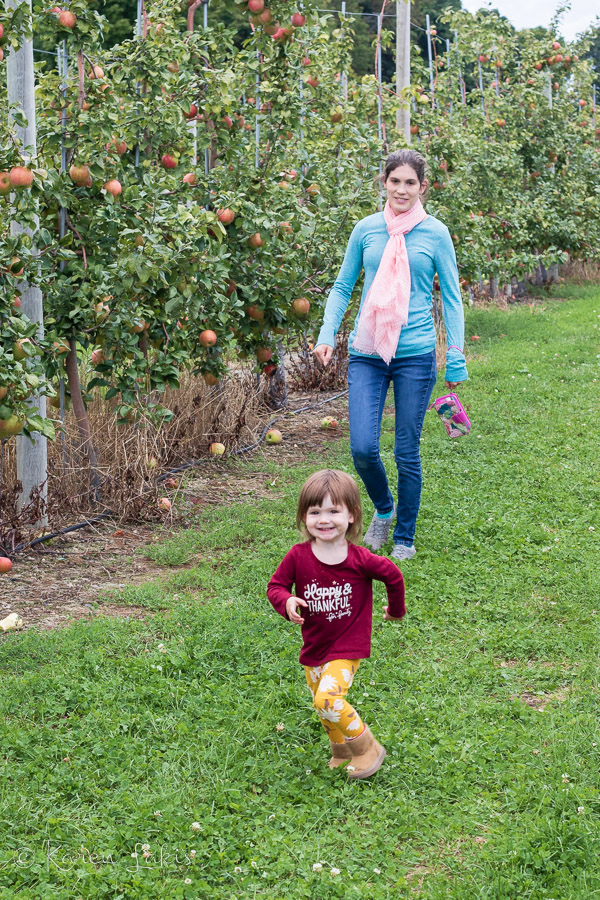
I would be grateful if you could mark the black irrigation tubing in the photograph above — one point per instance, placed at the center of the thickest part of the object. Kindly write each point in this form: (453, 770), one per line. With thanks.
(188, 465)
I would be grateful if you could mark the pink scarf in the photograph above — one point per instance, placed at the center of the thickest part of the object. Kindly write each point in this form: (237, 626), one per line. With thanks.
(385, 309)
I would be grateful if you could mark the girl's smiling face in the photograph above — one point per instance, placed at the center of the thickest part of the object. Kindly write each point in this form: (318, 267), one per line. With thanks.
(403, 188)
(328, 522)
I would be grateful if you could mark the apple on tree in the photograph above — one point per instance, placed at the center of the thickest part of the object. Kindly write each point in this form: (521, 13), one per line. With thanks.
(20, 177)
(113, 187)
(301, 306)
(208, 338)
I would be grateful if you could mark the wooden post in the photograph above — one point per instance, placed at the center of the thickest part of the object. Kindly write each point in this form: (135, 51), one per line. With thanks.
(403, 65)
(32, 455)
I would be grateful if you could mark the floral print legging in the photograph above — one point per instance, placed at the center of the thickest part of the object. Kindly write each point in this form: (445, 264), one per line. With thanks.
(329, 685)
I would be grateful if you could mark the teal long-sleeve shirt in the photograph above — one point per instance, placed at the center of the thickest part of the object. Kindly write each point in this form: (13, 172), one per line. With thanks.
(430, 250)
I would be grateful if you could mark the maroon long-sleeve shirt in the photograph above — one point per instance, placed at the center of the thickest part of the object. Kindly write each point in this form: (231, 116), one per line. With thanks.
(338, 619)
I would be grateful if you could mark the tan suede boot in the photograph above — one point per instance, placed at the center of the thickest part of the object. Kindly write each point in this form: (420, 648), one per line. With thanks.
(367, 755)
(340, 755)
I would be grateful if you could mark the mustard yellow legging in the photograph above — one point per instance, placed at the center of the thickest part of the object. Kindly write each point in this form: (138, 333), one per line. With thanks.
(329, 685)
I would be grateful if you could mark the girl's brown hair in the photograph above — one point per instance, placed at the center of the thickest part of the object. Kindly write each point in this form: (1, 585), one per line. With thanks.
(341, 487)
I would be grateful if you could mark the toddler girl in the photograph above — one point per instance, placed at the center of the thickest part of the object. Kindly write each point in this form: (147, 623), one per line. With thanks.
(332, 578)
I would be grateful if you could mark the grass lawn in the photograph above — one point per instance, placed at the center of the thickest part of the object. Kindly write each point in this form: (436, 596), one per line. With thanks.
(166, 733)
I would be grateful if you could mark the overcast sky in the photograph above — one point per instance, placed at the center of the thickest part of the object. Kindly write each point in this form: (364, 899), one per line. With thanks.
(529, 13)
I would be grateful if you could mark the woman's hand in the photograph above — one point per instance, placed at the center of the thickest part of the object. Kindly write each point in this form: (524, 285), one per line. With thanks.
(290, 607)
(323, 352)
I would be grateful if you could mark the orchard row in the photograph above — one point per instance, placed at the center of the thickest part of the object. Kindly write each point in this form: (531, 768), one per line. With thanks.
(194, 199)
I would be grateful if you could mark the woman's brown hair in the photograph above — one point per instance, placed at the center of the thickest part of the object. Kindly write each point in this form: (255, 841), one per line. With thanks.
(410, 158)
(342, 489)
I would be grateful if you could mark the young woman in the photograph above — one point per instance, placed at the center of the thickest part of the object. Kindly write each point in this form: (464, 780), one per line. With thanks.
(393, 341)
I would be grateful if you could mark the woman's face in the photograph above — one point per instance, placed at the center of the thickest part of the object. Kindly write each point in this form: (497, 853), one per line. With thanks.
(403, 188)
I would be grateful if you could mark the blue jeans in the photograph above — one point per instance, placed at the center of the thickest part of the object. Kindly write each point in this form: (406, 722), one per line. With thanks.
(369, 378)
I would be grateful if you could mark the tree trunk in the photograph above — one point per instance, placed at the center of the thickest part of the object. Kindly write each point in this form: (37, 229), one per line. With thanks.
(277, 383)
(83, 423)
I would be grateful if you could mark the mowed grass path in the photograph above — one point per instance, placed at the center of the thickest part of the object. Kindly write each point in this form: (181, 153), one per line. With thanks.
(120, 735)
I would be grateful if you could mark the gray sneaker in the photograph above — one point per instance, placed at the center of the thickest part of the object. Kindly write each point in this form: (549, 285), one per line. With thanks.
(400, 551)
(378, 531)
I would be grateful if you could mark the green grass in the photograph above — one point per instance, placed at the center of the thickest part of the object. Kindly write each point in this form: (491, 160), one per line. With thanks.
(123, 733)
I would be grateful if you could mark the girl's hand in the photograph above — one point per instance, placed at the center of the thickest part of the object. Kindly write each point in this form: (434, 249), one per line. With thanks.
(323, 352)
(452, 384)
(290, 608)
(387, 617)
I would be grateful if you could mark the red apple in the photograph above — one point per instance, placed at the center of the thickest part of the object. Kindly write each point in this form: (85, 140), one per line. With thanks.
(113, 187)
(265, 17)
(264, 354)
(5, 564)
(301, 306)
(190, 178)
(255, 312)
(167, 161)
(269, 369)
(227, 121)
(226, 216)
(256, 6)
(329, 422)
(298, 20)
(79, 175)
(164, 504)
(96, 72)
(66, 18)
(20, 177)
(208, 338)
(98, 357)
(306, 60)
(314, 82)
(193, 112)
(255, 240)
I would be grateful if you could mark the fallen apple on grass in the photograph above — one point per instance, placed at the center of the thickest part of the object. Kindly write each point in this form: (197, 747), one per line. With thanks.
(216, 449)
(329, 422)
(164, 504)
(5, 564)
(273, 436)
